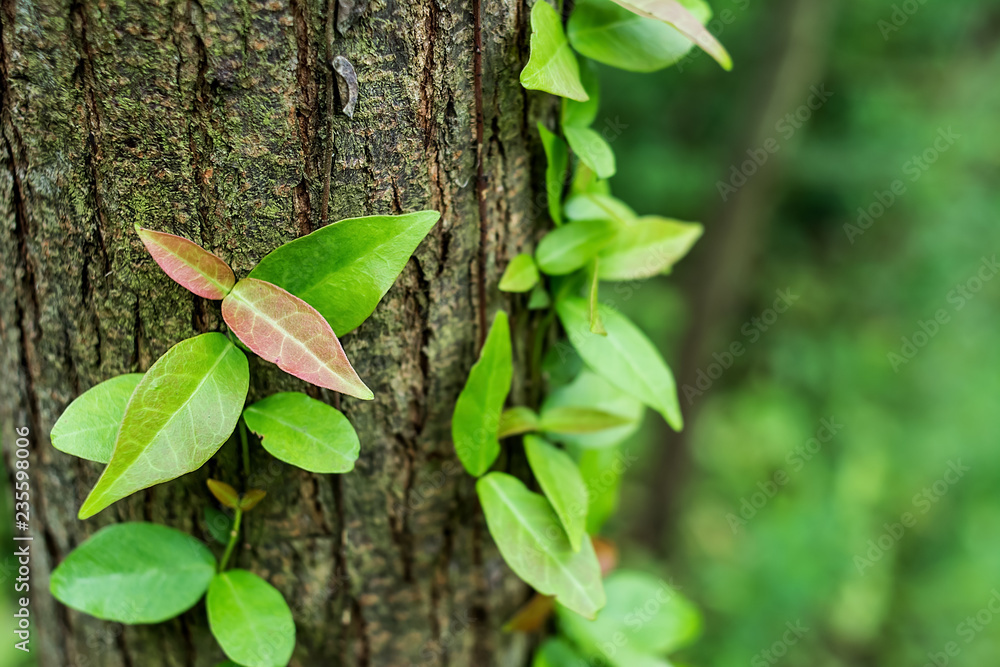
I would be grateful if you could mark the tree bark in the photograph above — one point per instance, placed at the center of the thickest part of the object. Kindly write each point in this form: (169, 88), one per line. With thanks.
(221, 122)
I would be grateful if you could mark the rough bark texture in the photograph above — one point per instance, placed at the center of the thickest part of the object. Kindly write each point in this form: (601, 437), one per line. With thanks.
(219, 121)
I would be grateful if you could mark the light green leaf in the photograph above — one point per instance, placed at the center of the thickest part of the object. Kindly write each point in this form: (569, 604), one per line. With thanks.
(646, 247)
(90, 424)
(562, 484)
(678, 14)
(184, 408)
(521, 274)
(596, 206)
(583, 114)
(552, 66)
(556, 162)
(344, 269)
(556, 652)
(589, 391)
(539, 298)
(591, 147)
(585, 181)
(574, 420)
(532, 542)
(602, 471)
(218, 524)
(625, 357)
(613, 35)
(568, 248)
(476, 421)
(134, 573)
(250, 620)
(669, 621)
(304, 432)
(518, 420)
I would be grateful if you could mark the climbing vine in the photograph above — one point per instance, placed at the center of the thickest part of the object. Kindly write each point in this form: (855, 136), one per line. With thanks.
(600, 371)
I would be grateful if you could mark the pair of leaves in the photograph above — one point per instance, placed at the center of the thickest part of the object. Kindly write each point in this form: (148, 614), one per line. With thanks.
(475, 423)
(533, 542)
(304, 432)
(232, 499)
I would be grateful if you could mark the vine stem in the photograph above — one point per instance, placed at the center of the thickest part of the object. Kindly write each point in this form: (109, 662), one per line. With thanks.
(233, 535)
(246, 448)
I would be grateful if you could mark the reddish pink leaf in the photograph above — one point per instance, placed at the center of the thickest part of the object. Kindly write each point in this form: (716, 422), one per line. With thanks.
(284, 329)
(189, 264)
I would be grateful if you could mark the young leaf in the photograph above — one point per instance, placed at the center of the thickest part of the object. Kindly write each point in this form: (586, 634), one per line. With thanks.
(670, 624)
(184, 408)
(90, 424)
(560, 479)
(556, 162)
(569, 419)
(344, 269)
(591, 147)
(251, 499)
(304, 432)
(218, 524)
(552, 66)
(521, 274)
(250, 620)
(568, 248)
(515, 421)
(616, 36)
(583, 114)
(596, 324)
(595, 206)
(476, 422)
(676, 14)
(283, 329)
(189, 264)
(625, 357)
(134, 573)
(224, 493)
(539, 298)
(534, 545)
(646, 247)
(589, 391)
(532, 616)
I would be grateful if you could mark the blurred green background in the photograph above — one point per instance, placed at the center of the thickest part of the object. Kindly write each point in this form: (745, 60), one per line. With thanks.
(755, 523)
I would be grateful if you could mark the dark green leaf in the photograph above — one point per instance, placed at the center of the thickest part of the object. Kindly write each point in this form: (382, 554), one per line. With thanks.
(591, 147)
(521, 274)
(533, 543)
(304, 432)
(344, 269)
(184, 408)
(476, 421)
(250, 620)
(134, 573)
(552, 66)
(516, 421)
(568, 248)
(218, 524)
(646, 247)
(556, 162)
(90, 424)
(562, 484)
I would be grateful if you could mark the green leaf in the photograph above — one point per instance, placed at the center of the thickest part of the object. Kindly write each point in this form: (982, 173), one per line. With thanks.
(591, 147)
(89, 426)
(613, 35)
(190, 265)
(184, 408)
(518, 420)
(625, 357)
(568, 248)
(218, 524)
(134, 573)
(585, 181)
(539, 298)
(227, 663)
(562, 484)
(304, 432)
(521, 274)
(669, 621)
(533, 543)
(583, 114)
(556, 162)
(285, 330)
(602, 471)
(595, 206)
(552, 66)
(678, 14)
(647, 247)
(589, 391)
(476, 422)
(556, 652)
(574, 420)
(344, 269)
(250, 620)
(596, 324)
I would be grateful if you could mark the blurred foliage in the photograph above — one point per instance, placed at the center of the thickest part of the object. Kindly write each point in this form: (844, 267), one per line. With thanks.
(795, 561)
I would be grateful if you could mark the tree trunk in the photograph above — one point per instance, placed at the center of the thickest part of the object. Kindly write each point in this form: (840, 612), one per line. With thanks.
(222, 122)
